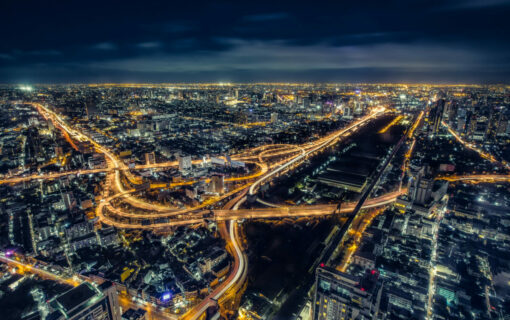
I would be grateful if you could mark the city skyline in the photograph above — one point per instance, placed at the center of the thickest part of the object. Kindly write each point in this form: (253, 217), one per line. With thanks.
(269, 160)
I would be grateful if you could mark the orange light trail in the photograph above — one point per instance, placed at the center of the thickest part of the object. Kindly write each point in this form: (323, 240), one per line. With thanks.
(391, 124)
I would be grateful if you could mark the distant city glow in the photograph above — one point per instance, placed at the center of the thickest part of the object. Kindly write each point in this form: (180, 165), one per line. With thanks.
(26, 88)
(200, 169)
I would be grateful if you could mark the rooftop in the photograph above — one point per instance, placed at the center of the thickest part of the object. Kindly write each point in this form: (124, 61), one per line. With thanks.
(76, 297)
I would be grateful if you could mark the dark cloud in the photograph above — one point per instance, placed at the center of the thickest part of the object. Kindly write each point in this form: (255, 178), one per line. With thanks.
(104, 46)
(422, 40)
(472, 4)
(149, 45)
(266, 17)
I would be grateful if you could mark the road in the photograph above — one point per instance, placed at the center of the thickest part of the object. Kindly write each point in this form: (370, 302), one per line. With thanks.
(270, 160)
(477, 178)
(71, 281)
(125, 301)
(239, 270)
(475, 148)
(193, 215)
(136, 218)
(317, 146)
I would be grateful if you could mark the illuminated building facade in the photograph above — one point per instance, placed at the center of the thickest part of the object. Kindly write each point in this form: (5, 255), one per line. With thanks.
(339, 295)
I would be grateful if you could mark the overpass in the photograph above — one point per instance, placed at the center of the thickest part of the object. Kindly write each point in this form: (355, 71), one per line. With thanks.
(316, 146)
(477, 178)
(135, 222)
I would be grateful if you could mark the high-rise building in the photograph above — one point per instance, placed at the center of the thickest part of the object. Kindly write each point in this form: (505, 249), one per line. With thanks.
(502, 125)
(347, 112)
(471, 126)
(339, 295)
(91, 109)
(274, 117)
(111, 296)
(424, 190)
(150, 158)
(86, 302)
(69, 200)
(452, 111)
(420, 186)
(306, 102)
(134, 314)
(185, 163)
(461, 125)
(358, 107)
(436, 116)
(217, 183)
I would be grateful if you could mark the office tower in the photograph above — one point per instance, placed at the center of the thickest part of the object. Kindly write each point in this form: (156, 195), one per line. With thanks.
(436, 116)
(110, 292)
(424, 190)
(357, 107)
(185, 163)
(69, 200)
(91, 109)
(452, 111)
(86, 302)
(306, 102)
(461, 125)
(339, 295)
(471, 126)
(420, 185)
(150, 158)
(217, 182)
(274, 117)
(482, 128)
(502, 125)
(347, 112)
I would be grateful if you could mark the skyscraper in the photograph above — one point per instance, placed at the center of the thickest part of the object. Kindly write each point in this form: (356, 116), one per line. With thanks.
(436, 116)
(86, 302)
(150, 158)
(420, 186)
(185, 163)
(134, 314)
(339, 295)
(452, 111)
(217, 182)
(424, 190)
(91, 109)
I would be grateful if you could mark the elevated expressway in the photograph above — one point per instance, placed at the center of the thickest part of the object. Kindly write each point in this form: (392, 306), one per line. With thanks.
(227, 289)
(480, 178)
(271, 160)
(151, 216)
(475, 148)
(477, 178)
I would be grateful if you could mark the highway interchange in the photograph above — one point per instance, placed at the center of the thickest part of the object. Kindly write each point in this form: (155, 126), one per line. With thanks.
(270, 161)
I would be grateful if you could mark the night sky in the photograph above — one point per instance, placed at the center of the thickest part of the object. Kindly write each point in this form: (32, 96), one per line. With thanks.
(450, 41)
